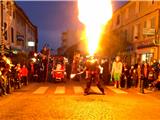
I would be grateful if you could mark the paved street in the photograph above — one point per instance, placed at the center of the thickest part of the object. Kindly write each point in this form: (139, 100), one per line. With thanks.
(60, 101)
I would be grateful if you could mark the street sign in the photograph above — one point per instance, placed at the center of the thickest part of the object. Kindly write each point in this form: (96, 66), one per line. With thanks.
(31, 43)
(148, 31)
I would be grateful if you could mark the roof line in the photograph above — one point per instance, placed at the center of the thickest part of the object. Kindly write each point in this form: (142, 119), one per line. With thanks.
(25, 15)
(121, 7)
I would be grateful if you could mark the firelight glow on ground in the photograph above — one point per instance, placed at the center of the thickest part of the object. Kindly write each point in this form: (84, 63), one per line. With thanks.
(94, 14)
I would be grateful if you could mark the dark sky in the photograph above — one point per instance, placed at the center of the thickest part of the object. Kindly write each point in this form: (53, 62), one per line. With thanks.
(52, 18)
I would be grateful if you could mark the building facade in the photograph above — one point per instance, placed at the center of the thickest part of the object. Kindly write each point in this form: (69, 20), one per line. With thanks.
(69, 38)
(17, 31)
(139, 23)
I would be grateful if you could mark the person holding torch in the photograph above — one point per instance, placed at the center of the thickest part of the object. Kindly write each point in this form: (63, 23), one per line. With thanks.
(92, 74)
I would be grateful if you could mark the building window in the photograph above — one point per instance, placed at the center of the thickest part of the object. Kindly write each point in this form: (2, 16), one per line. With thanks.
(153, 22)
(12, 35)
(125, 35)
(144, 6)
(5, 35)
(5, 31)
(14, 15)
(132, 9)
(118, 20)
(145, 24)
(9, 8)
(132, 33)
(136, 32)
(137, 8)
(126, 15)
(139, 31)
(28, 30)
(19, 43)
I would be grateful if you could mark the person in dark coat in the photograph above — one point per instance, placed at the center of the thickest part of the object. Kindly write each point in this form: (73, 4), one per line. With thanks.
(125, 75)
(106, 73)
(45, 60)
(31, 70)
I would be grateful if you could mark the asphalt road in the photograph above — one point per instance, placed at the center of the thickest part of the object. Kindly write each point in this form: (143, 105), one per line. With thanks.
(65, 101)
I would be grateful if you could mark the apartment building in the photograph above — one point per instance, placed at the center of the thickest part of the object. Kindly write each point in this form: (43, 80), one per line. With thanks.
(139, 23)
(17, 31)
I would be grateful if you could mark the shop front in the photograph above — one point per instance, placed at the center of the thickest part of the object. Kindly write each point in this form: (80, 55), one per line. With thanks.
(147, 54)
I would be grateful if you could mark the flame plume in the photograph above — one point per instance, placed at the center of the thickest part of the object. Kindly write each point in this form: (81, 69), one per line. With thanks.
(94, 14)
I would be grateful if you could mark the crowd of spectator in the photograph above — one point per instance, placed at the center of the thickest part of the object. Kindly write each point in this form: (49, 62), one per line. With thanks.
(144, 75)
(12, 76)
(123, 75)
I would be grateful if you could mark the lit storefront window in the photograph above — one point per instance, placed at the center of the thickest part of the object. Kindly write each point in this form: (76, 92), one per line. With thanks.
(143, 57)
(147, 57)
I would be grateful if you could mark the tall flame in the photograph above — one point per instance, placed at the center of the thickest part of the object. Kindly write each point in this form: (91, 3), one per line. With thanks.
(94, 14)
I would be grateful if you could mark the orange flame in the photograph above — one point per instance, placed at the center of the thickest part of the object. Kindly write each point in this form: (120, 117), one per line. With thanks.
(94, 14)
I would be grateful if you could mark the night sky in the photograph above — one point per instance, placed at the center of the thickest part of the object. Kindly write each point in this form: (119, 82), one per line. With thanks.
(54, 17)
